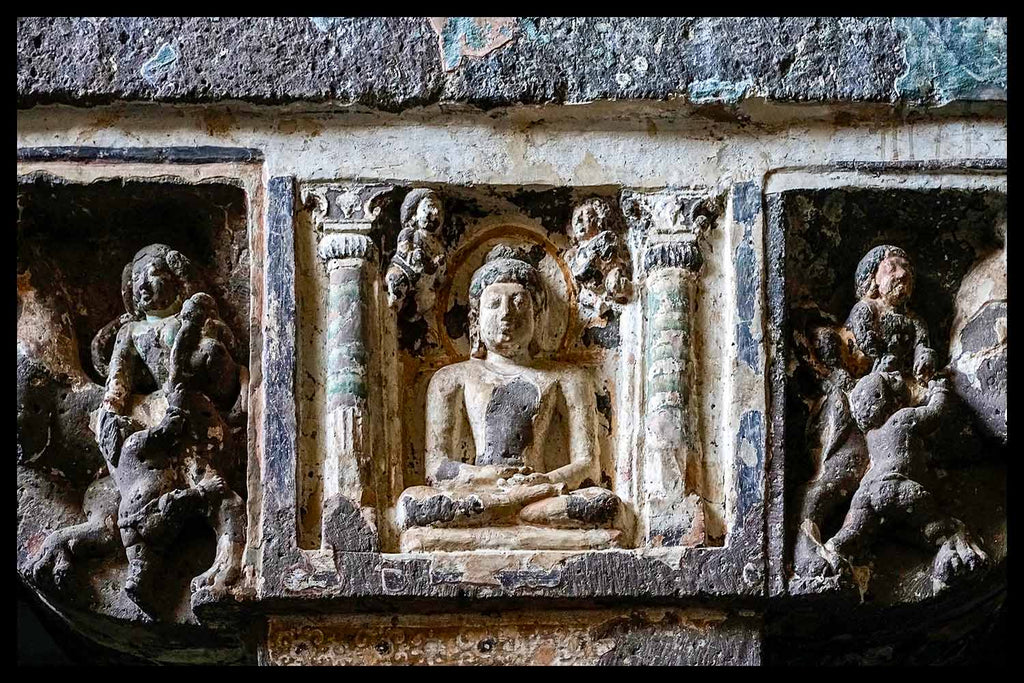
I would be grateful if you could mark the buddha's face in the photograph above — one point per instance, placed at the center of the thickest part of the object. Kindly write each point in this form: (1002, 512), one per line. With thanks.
(894, 281)
(154, 286)
(506, 318)
(428, 213)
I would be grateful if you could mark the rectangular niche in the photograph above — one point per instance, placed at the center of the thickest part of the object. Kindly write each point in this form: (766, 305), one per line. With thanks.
(79, 225)
(88, 232)
(604, 342)
(949, 223)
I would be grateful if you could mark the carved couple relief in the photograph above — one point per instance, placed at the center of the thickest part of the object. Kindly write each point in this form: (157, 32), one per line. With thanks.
(879, 430)
(171, 429)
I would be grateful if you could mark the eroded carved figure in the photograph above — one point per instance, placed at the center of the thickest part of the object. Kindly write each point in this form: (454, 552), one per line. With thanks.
(419, 258)
(507, 495)
(876, 430)
(171, 426)
(599, 259)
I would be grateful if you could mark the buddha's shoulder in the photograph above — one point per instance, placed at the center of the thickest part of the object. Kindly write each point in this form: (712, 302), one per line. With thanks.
(455, 372)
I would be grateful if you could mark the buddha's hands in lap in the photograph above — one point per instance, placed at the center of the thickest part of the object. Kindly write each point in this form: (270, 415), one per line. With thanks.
(507, 501)
(493, 474)
(528, 478)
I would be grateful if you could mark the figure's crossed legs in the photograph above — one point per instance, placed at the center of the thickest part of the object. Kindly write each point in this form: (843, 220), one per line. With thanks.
(537, 504)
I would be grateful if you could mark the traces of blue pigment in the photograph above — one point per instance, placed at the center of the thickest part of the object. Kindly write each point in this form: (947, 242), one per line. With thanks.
(326, 23)
(163, 58)
(751, 430)
(953, 58)
(747, 345)
(716, 90)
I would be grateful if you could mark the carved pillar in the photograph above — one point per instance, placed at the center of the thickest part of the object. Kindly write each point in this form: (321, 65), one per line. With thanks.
(672, 464)
(346, 222)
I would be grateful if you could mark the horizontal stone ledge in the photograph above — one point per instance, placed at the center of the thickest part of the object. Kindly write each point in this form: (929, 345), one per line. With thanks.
(397, 63)
(203, 154)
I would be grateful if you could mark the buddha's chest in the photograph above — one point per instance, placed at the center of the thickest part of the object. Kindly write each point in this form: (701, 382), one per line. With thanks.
(509, 416)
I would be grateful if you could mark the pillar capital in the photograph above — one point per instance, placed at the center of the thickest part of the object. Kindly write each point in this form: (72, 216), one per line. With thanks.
(670, 225)
(346, 217)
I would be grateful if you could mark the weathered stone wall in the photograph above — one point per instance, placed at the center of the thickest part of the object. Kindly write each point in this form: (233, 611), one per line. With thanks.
(700, 332)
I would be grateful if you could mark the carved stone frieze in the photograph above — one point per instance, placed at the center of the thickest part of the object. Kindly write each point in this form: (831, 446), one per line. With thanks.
(501, 424)
(132, 464)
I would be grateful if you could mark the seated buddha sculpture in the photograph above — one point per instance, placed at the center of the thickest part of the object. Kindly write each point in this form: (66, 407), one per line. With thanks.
(512, 402)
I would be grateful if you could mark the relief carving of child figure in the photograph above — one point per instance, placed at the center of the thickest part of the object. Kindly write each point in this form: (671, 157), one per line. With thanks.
(894, 490)
(172, 467)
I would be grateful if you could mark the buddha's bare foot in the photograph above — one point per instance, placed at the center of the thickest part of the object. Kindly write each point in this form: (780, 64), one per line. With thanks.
(588, 508)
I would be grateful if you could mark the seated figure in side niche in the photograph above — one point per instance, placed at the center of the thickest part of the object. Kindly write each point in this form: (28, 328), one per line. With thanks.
(419, 256)
(509, 399)
(893, 492)
(885, 331)
(173, 466)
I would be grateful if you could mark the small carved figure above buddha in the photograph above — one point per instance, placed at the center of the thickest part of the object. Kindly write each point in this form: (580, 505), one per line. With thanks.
(511, 401)
(419, 257)
(599, 259)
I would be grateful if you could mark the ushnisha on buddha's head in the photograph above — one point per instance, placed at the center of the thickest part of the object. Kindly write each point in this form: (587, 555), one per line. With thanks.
(885, 273)
(156, 282)
(507, 306)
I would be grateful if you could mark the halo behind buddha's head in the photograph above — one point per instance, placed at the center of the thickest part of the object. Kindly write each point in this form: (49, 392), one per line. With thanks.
(505, 264)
